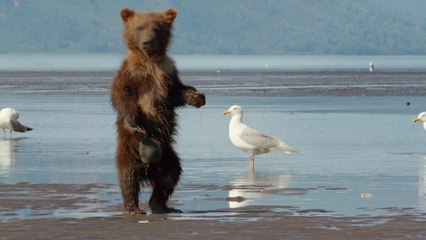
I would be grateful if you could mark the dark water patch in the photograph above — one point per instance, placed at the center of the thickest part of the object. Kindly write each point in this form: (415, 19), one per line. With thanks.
(313, 211)
(229, 83)
(404, 153)
(288, 191)
(315, 84)
(236, 199)
(335, 189)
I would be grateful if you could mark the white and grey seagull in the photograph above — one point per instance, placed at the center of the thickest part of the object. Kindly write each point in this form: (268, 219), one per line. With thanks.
(9, 120)
(251, 140)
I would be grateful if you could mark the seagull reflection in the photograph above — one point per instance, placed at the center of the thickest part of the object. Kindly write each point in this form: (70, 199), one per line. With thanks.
(250, 190)
(7, 155)
(422, 183)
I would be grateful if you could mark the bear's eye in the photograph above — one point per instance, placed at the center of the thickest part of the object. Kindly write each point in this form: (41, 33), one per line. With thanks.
(160, 31)
(140, 28)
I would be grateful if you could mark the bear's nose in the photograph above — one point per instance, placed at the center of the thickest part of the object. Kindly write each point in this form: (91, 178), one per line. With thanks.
(150, 45)
(148, 42)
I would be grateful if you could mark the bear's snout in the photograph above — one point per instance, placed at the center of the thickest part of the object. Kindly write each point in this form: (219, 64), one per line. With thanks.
(149, 43)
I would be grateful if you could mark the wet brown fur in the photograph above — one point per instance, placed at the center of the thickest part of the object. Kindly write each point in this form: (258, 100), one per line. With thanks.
(145, 92)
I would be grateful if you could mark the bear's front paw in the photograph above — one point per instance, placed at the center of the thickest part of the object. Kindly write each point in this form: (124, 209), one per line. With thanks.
(195, 99)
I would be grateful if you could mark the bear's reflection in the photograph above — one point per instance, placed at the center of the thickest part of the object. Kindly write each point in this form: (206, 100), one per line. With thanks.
(249, 190)
(7, 155)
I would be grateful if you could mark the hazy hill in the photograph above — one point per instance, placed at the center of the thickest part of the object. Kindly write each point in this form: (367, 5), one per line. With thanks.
(222, 26)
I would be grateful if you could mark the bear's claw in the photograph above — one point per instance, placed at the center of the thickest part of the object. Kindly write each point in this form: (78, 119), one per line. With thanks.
(132, 127)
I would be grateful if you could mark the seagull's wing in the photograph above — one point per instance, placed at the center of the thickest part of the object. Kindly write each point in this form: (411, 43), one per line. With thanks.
(257, 138)
(18, 127)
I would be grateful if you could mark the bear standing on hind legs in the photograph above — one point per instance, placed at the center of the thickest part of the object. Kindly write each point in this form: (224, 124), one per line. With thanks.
(145, 92)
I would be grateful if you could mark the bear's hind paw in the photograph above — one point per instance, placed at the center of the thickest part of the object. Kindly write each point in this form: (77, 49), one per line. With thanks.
(173, 210)
(136, 211)
(160, 210)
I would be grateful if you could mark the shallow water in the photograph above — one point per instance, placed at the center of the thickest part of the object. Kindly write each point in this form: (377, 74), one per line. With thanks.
(358, 155)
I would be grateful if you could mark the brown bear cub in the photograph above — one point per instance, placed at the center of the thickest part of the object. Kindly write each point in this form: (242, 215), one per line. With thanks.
(145, 93)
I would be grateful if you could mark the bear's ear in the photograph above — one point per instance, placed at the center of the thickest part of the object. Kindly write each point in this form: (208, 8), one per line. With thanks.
(169, 16)
(126, 14)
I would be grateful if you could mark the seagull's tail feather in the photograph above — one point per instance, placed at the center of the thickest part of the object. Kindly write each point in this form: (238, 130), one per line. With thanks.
(283, 147)
(18, 127)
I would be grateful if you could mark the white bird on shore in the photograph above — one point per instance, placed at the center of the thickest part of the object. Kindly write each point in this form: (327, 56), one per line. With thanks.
(371, 67)
(421, 118)
(251, 140)
(9, 119)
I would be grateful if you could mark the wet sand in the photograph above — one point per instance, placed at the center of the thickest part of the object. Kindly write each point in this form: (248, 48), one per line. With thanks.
(272, 226)
(82, 211)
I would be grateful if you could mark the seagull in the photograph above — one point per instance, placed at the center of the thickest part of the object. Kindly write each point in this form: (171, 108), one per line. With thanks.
(251, 140)
(421, 118)
(9, 119)
(371, 67)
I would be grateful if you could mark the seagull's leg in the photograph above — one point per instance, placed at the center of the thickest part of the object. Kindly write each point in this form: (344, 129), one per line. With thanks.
(10, 133)
(252, 164)
(4, 133)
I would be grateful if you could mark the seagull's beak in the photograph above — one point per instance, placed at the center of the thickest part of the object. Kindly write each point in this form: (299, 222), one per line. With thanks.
(226, 112)
(416, 120)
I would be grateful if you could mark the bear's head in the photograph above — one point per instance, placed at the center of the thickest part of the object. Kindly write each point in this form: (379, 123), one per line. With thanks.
(148, 32)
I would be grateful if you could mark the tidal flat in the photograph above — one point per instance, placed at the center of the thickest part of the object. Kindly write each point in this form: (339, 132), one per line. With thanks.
(360, 172)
